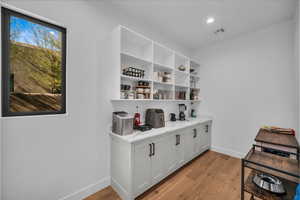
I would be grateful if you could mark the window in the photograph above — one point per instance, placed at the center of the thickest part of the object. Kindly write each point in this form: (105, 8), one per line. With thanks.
(33, 66)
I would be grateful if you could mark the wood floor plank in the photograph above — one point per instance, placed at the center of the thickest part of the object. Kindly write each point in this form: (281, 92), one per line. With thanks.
(211, 176)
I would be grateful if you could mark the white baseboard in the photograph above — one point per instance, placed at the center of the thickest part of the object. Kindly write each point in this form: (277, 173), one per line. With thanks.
(228, 152)
(88, 190)
(120, 190)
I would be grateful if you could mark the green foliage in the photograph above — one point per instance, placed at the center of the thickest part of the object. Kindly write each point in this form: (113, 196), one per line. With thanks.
(39, 65)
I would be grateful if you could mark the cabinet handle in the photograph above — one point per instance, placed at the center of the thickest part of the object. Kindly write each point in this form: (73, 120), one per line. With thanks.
(153, 144)
(150, 154)
(195, 133)
(206, 128)
(177, 140)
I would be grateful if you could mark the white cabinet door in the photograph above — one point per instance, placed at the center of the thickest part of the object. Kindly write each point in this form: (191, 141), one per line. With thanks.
(175, 151)
(204, 131)
(142, 168)
(189, 144)
(197, 141)
(207, 136)
(171, 152)
(158, 159)
(200, 130)
(180, 149)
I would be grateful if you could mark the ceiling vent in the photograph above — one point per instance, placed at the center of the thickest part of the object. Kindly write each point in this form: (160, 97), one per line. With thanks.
(220, 30)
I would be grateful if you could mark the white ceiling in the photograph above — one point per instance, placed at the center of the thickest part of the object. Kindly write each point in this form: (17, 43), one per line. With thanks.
(183, 21)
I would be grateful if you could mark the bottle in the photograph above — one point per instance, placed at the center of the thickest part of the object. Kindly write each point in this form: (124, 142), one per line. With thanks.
(193, 113)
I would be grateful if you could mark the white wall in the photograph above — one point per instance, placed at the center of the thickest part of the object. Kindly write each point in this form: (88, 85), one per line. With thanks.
(297, 56)
(248, 82)
(1, 178)
(51, 157)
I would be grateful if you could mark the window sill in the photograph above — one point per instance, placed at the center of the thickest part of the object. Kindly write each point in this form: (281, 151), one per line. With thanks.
(36, 116)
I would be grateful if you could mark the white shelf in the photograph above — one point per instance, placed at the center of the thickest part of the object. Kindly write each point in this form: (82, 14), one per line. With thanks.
(135, 59)
(194, 64)
(163, 55)
(171, 100)
(161, 66)
(181, 86)
(195, 76)
(159, 100)
(134, 78)
(181, 72)
(132, 49)
(181, 60)
(135, 44)
(130, 100)
(163, 83)
(196, 101)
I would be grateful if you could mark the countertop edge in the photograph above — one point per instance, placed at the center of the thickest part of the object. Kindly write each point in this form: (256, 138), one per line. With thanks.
(157, 134)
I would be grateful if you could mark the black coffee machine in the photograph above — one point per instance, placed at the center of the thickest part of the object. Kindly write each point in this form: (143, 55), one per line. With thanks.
(182, 109)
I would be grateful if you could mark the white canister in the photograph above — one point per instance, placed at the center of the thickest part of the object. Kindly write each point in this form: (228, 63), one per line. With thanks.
(140, 90)
(155, 76)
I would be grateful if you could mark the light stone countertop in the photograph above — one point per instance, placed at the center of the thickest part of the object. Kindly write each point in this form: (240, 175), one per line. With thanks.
(170, 127)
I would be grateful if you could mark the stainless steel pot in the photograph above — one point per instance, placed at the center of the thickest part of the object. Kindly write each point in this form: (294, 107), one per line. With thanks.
(269, 183)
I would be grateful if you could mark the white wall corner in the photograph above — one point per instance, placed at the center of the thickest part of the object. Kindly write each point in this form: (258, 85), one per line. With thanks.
(228, 152)
(88, 190)
(297, 60)
(1, 135)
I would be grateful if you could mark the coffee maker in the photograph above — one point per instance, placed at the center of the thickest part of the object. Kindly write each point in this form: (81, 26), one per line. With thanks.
(182, 109)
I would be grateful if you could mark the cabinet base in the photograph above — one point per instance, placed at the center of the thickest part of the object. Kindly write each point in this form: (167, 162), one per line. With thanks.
(120, 190)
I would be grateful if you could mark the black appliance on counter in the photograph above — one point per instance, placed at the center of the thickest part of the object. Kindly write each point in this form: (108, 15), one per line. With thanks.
(155, 118)
(144, 128)
(182, 109)
(172, 117)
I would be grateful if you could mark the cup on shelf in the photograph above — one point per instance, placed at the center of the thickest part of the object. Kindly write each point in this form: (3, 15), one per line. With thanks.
(131, 95)
(140, 96)
(140, 90)
(155, 76)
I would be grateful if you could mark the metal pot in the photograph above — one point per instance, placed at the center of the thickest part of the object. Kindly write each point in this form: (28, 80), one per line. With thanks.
(269, 183)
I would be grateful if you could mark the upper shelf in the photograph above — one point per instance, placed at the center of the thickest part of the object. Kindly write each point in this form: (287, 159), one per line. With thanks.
(182, 62)
(135, 44)
(159, 100)
(163, 56)
(142, 59)
(132, 59)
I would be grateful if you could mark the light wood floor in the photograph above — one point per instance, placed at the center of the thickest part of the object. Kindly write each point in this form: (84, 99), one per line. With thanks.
(212, 176)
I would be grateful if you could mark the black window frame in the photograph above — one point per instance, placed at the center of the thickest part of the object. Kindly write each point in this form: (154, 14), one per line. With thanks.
(5, 36)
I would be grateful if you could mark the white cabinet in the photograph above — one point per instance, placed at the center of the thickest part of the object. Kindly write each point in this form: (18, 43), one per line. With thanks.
(180, 148)
(189, 148)
(171, 159)
(158, 159)
(205, 136)
(137, 166)
(175, 151)
(198, 140)
(142, 167)
(149, 163)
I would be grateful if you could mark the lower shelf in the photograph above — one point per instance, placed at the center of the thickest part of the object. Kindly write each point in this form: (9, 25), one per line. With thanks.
(251, 188)
(155, 100)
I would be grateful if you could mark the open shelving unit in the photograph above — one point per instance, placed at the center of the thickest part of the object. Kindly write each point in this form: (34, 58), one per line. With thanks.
(150, 68)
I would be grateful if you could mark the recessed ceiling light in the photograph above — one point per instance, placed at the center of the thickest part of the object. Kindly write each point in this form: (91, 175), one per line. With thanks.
(210, 20)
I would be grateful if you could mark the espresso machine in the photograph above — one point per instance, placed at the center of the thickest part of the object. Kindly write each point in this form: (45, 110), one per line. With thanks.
(182, 109)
